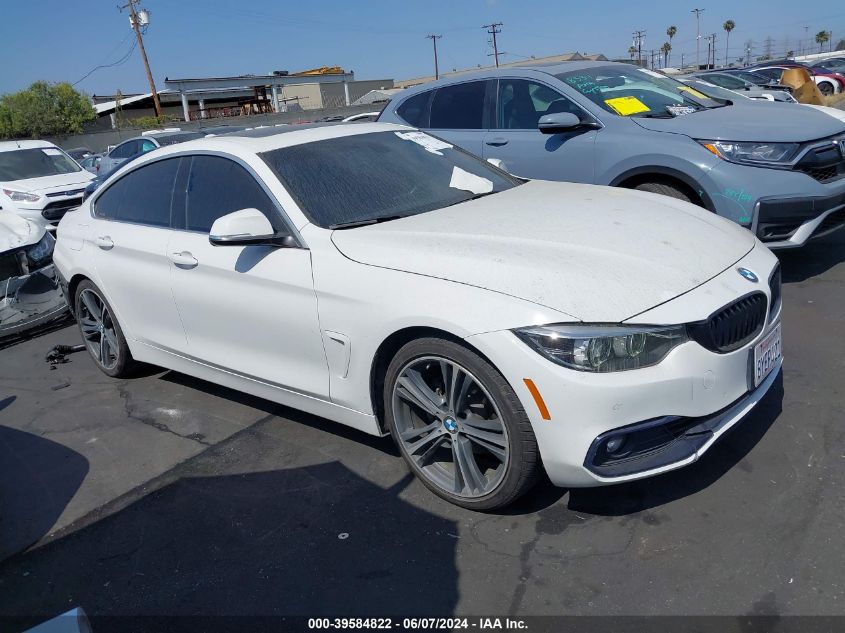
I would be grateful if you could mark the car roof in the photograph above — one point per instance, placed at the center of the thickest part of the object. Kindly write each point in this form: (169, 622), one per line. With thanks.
(266, 139)
(11, 146)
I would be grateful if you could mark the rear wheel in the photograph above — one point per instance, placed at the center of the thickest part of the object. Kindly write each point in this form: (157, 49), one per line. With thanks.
(826, 88)
(664, 190)
(101, 331)
(459, 425)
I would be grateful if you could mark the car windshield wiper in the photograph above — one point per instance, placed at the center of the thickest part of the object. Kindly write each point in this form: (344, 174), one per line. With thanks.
(653, 115)
(354, 223)
(475, 196)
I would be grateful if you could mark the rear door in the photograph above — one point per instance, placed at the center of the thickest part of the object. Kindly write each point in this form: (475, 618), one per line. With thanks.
(247, 309)
(525, 151)
(457, 114)
(130, 233)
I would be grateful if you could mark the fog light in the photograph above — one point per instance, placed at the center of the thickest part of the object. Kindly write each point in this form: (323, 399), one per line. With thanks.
(615, 444)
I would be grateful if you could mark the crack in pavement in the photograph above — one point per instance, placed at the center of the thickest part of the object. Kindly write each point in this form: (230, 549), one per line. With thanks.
(133, 414)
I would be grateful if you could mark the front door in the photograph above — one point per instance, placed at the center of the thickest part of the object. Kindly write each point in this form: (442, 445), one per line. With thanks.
(528, 153)
(247, 309)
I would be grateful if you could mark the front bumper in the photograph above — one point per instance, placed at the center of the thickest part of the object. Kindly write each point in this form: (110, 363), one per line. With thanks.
(706, 390)
(783, 208)
(31, 300)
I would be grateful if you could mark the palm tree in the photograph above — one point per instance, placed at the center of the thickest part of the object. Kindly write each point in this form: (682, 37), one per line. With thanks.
(666, 48)
(729, 26)
(632, 50)
(671, 32)
(821, 38)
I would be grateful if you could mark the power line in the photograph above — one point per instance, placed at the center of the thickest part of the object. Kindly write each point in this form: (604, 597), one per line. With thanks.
(494, 31)
(119, 62)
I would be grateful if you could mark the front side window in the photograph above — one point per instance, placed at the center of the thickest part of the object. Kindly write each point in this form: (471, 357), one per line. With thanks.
(414, 110)
(631, 91)
(521, 103)
(459, 107)
(382, 175)
(218, 186)
(37, 162)
(142, 196)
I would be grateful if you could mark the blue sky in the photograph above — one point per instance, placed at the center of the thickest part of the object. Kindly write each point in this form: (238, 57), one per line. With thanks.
(61, 40)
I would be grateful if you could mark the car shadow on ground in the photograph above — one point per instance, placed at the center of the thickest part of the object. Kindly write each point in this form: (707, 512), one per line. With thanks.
(291, 542)
(38, 478)
(727, 453)
(815, 258)
(384, 444)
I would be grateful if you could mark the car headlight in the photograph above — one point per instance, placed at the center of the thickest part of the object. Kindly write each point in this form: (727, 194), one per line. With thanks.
(759, 154)
(599, 348)
(22, 196)
(40, 254)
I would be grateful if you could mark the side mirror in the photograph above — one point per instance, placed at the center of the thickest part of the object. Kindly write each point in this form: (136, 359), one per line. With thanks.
(247, 227)
(558, 122)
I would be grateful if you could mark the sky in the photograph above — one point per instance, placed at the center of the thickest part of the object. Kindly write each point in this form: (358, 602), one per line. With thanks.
(63, 40)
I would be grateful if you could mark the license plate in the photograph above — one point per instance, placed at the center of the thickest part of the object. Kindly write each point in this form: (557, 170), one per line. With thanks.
(766, 355)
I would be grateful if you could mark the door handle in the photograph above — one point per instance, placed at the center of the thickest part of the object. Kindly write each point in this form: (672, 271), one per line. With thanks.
(104, 242)
(497, 141)
(183, 259)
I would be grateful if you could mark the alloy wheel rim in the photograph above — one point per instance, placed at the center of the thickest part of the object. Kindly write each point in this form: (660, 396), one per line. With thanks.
(450, 427)
(98, 328)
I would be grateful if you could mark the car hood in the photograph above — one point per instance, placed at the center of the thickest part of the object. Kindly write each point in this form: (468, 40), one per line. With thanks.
(767, 122)
(52, 184)
(836, 113)
(16, 232)
(598, 254)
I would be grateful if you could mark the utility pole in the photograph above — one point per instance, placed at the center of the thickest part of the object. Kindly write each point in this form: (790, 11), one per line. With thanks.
(698, 13)
(712, 45)
(133, 20)
(434, 39)
(494, 31)
(639, 37)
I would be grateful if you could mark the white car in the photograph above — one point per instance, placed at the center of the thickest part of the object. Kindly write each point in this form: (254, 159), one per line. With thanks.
(382, 278)
(39, 182)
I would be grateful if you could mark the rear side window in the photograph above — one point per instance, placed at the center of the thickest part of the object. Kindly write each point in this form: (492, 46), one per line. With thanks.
(414, 110)
(218, 186)
(142, 196)
(459, 107)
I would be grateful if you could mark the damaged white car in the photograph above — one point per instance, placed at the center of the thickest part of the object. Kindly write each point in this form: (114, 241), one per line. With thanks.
(30, 294)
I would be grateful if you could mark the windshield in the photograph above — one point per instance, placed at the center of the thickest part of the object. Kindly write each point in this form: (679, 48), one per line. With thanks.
(21, 164)
(367, 177)
(630, 91)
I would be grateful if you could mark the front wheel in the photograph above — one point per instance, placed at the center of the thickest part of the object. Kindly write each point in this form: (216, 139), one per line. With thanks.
(459, 425)
(664, 190)
(101, 331)
(826, 88)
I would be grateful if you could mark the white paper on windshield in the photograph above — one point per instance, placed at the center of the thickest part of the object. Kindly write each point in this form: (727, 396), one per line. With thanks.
(462, 179)
(51, 151)
(429, 143)
(652, 73)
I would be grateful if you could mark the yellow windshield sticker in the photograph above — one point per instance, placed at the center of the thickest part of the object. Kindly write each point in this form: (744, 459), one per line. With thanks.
(627, 106)
(693, 92)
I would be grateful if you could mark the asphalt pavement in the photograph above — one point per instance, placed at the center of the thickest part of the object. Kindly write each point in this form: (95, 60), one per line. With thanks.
(167, 495)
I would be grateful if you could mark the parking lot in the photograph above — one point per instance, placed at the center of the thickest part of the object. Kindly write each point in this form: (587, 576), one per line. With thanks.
(168, 495)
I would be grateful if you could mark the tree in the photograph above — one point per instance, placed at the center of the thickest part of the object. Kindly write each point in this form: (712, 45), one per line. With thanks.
(671, 32)
(821, 38)
(44, 109)
(665, 49)
(729, 26)
(632, 50)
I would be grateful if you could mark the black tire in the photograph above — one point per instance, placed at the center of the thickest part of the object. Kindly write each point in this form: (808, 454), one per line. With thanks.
(664, 190)
(123, 363)
(826, 88)
(523, 464)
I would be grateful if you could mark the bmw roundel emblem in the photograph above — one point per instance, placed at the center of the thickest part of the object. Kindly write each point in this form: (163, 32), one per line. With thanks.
(750, 276)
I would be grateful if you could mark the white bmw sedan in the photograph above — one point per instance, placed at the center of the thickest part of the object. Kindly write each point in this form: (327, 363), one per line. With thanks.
(382, 278)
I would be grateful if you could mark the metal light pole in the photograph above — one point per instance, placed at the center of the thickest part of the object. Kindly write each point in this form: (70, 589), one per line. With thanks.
(698, 13)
